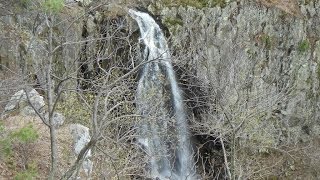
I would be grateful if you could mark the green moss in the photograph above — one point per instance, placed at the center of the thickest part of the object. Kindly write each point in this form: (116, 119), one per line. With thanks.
(267, 41)
(251, 53)
(53, 5)
(172, 22)
(303, 46)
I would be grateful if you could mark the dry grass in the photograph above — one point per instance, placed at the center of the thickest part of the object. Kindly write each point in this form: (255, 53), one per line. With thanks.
(40, 150)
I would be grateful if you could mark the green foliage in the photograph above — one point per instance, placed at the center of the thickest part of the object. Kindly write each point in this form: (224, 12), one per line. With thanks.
(73, 108)
(28, 174)
(5, 147)
(193, 3)
(173, 21)
(54, 5)
(266, 39)
(23, 138)
(26, 134)
(251, 53)
(303, 46)
(5, 143)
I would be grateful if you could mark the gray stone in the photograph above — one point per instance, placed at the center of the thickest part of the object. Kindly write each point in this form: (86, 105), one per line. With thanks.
(81, 137)
(36, 100)
(244, 42)
(87, 166)
(20, 101)
(14, 100)
(27, 111)
(57, 118)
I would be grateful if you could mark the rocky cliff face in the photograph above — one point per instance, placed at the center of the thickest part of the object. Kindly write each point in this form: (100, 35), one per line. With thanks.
(256, 61)
(259, 67)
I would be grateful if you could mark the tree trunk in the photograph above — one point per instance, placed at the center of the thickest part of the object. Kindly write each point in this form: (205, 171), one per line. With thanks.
(50, 22)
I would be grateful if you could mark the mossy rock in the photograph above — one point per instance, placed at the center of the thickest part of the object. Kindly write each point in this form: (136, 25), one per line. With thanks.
(303, 46)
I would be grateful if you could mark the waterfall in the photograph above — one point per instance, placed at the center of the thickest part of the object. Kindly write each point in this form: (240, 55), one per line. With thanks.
(165, 137)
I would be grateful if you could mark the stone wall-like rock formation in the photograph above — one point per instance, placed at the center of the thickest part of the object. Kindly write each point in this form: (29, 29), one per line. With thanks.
(259, 67)
(252, 56)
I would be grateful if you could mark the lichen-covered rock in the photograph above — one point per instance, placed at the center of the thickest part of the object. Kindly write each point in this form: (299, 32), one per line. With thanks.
(14, 100)
(36, 100)
(254, 60)
(22, 101)
(259, 67)
(57, 118)
(81, 137)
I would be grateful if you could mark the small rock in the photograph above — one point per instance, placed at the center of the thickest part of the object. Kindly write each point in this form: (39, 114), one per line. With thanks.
(87, 166)
(292, 167)
(57, 118)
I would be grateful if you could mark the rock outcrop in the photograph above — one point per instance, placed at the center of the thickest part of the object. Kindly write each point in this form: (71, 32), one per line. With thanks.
(257, 61)
(81, 137)
(26, 102)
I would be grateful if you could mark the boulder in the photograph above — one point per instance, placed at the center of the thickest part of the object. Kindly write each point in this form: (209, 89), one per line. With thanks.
(14, 100)
(81, 137)
(20, 101)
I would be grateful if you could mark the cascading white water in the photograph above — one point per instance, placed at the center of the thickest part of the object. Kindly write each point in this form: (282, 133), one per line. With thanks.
(165, 139)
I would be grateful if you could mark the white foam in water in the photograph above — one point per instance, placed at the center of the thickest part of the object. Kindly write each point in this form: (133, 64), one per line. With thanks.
(165, 163)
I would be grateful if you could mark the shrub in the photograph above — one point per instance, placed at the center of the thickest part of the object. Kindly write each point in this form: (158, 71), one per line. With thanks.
(303, 46)
(53, 5)
(74, 110)
(16, 148)
(5, 143)
(23, 139)
(26, 134)
(28, 174)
